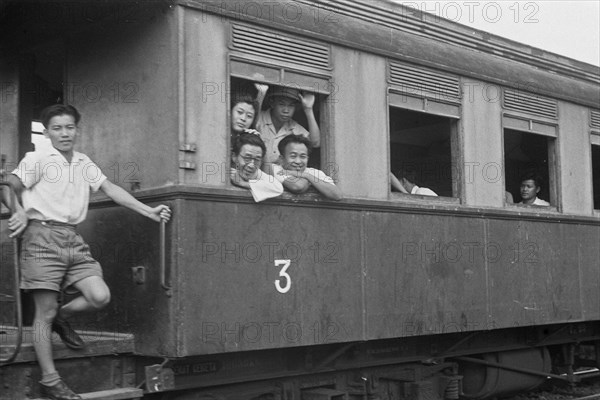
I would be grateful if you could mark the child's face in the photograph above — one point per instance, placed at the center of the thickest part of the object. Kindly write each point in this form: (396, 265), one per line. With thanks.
(248, 161)
(62, 131)
(242, 116)
(529, 189)
(295, 157)
(282, 108)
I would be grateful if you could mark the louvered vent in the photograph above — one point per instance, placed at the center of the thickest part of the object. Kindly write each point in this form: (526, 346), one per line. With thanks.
(595, 119)
(413, 79)
(530, 103)
(279, 47)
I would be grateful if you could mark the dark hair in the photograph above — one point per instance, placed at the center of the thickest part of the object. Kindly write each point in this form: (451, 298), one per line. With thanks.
(246, 98)
(293, 139)
(59, 109)
(534, 176)
(250, 139)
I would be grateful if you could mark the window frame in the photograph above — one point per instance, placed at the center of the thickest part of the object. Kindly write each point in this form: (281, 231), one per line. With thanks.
(417, 88)
(273, 72)
(594, 141)
(455, 154)
(547, 128)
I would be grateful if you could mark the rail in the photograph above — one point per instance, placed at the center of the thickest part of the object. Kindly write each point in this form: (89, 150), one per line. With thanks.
(17, 292)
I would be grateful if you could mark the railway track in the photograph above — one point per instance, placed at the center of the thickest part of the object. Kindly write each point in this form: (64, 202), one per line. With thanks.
(587, 389)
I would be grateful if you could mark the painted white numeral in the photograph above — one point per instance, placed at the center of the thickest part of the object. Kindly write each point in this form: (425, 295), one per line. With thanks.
(288, 280)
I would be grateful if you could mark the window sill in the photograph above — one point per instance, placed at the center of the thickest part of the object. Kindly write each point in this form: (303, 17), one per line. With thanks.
(417, 198)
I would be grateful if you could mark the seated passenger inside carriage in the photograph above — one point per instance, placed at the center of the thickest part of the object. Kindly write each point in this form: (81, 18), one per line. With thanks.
(406, 186)
(508, 197)
(292, 169)
(531, 184)
(247, 157)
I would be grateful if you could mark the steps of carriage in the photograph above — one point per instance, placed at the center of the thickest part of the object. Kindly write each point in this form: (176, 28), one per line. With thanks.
(113, 394)
(97, 343)
(103, 370)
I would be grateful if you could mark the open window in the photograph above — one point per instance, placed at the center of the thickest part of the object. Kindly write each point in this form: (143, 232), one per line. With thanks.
(421, 148)
(38, 140)
(244, 87)
(424, 113)
(525, 153)
(596, 174)
(282, 60)
(530, 124)
(595, 149)
(41, 85)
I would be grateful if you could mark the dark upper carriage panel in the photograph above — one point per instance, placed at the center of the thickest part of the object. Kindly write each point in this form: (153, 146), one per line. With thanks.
(424, 114)
(279, 60)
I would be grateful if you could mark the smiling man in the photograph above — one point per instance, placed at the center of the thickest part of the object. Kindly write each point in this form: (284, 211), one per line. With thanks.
(247, 157)
(294, 174)
(54, 187)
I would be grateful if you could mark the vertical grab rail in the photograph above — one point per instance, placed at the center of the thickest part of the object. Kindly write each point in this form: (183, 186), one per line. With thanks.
(162, 259)
(17, 294)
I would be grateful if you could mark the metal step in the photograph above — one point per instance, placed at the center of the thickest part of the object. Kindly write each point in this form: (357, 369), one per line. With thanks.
(113, 394)
(97, 343)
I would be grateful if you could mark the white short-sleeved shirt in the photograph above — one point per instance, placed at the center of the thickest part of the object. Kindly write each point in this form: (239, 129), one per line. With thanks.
(281, 175)
(57, 190)
(538, 202)
(264, 124)
(423, 191)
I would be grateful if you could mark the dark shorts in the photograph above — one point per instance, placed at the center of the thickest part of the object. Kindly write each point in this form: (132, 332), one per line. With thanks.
(54, 257)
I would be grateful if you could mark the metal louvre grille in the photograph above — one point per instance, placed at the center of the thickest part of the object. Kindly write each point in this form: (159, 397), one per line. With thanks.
(595, 119)
(530, 103)
(279, 47)
(415, 79)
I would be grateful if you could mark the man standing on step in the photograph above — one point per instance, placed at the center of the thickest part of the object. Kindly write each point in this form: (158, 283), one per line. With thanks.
(54, 187)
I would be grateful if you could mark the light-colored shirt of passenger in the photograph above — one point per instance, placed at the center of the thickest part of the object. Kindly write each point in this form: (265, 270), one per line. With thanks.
(264, 187)
(538, 202)
(281, 175)
(423, 191)
(56, 190)
(264, 124)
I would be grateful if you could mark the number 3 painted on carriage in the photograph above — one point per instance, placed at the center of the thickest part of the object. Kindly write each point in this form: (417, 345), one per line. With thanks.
(288, 280)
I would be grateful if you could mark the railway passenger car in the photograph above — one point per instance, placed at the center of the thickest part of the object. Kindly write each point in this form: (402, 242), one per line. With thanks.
(382, 295)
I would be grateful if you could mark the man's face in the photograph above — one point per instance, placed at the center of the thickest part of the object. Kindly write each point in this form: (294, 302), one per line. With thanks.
(295, 157)
(242, 116)
(529, 190)
(282, 108)
(62, 131)
(248, 161)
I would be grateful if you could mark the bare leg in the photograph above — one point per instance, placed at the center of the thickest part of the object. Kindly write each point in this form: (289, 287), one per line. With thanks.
(95, 295)
(45, 311)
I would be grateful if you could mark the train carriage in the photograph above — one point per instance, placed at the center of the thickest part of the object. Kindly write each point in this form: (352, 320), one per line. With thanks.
(382, 295)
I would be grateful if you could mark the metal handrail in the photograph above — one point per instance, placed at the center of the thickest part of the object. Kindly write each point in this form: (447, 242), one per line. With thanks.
(17, 296)
(162, 259)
